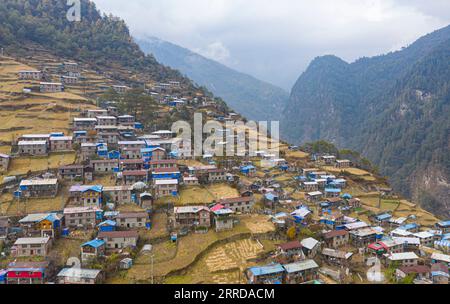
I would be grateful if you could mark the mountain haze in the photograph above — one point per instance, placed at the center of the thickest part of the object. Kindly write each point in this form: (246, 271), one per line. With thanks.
(393, 108)
(253, 98)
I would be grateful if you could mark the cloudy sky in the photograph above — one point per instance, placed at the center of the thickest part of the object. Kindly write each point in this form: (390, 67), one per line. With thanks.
(275, 40)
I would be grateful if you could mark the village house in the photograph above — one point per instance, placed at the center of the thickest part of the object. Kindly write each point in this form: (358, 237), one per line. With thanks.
(126, 120)
(60, 143)
(153, 154)
(35, 137)
(342, 163)
(70, 66)
(119, 239)
(409, 243)
(71, 172)
(191, 216)
(217, 176)
(138, 144)
(132, 219)
(88, 151)
(87, 196)
(41, 188)
(166, 134)
(92, 250)
(310, 186)
(106, 121)
(164, 163)
(337, 257)
(301, 272)
(69, 79)
(111, 138)
(131, 164)
(290, 249)
(328, 159)
(336, 238)
(166, 173)
(79, 276)
(41, 225)
(120, 88)
(25, 273)
(439, 273)
(223, 219)
(386, 246)
(104, 165)
(85, 217)
(96, 112)
(117, 194)
(310, 247)
(132, 177)
(51, 87)
(418, 271)
(30, 75)
(426, 238)
(314, 196)
(30, 247)
(4, 228)
(165, 187)
(190, 181)
(363, 237)
(440, 258)
(443, 226)
(238, 204)
(404, 258)
(4, 162)
(269, 274)
(131, 153)
(35, 148)
(84, 123)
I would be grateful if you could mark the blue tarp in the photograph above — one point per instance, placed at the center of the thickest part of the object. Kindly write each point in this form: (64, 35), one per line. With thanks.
(268, 269)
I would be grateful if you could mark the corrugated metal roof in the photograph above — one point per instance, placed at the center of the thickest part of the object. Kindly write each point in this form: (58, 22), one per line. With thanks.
(79, 273)
(300, 266)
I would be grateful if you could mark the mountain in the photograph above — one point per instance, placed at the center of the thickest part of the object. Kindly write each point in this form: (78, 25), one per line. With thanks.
(253, 98)
(101, 41)
(394, 109)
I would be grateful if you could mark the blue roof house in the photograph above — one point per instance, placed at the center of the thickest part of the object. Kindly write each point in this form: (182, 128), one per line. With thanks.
(107, 225)
(269, 274)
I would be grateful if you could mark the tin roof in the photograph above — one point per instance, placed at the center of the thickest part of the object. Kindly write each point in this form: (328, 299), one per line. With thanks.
(300, 266)
(79, 273)
(38, 182)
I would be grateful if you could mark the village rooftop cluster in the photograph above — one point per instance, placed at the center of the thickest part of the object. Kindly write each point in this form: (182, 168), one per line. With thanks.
(143, 170)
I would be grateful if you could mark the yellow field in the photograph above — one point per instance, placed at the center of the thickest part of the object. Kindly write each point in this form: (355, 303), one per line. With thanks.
(353, 171)
(296, 154)
(20, 166)
(194, 195)
(192, 245)
(5, 149)
(222, 191)
(26, 206)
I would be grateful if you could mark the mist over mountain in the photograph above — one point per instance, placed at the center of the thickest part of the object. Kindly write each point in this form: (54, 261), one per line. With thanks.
(393, 108)
(253, 98)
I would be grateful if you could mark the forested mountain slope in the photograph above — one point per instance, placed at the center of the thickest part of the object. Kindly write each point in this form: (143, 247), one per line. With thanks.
(253, 98)
(393, 108)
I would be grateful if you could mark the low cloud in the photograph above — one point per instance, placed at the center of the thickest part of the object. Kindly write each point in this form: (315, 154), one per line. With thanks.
(275, 40)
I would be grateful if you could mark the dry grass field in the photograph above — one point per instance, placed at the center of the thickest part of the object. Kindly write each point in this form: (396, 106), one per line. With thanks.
(26, 206)
(22, 165)
(222, 191)
(191, 246)
(194, 195)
